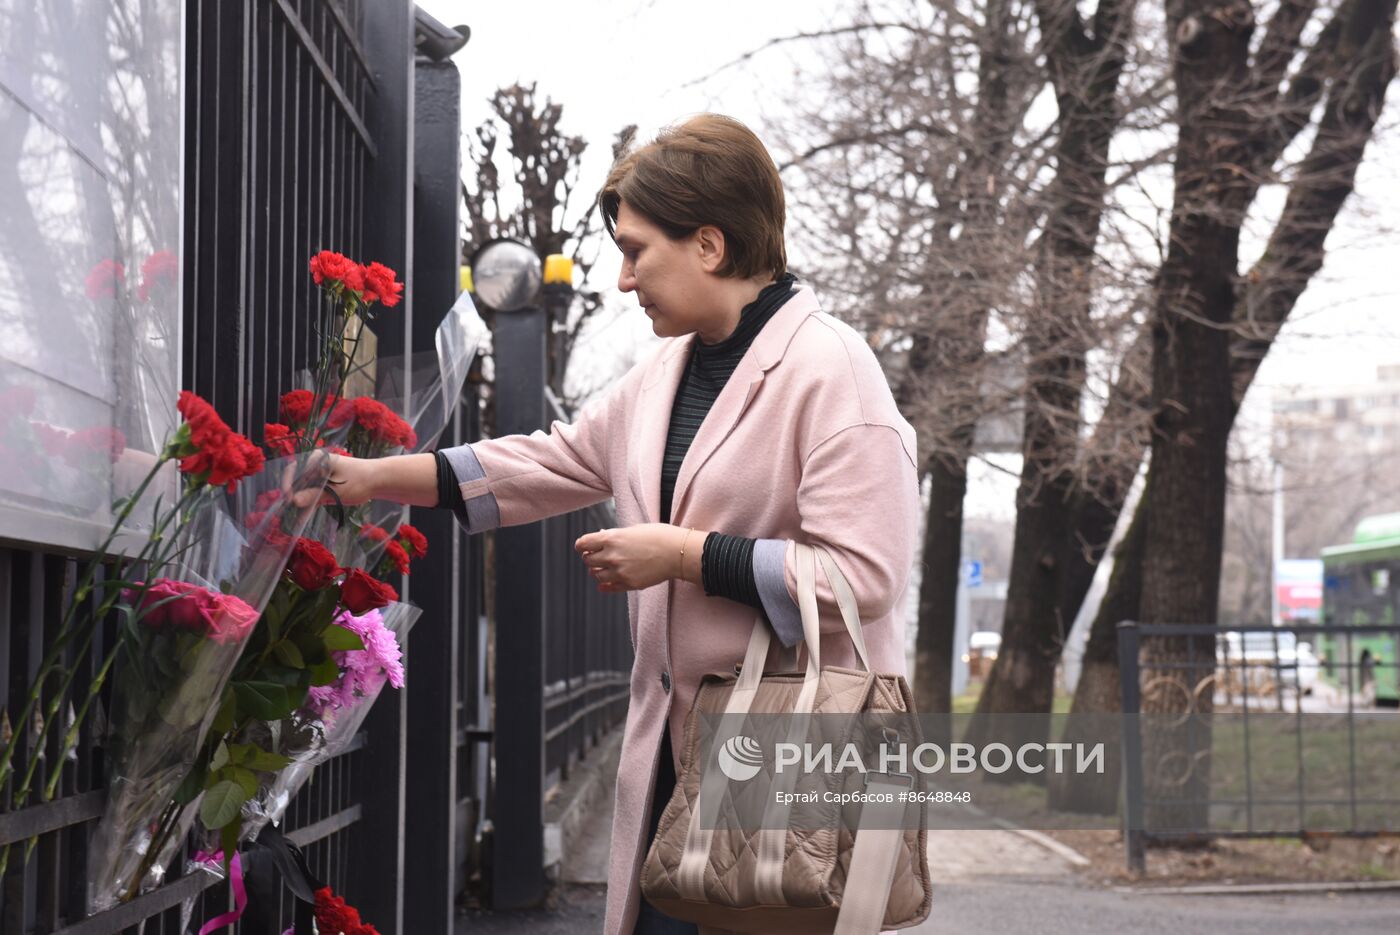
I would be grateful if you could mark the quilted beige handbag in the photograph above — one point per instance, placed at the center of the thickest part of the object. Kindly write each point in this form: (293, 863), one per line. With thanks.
(781, 879)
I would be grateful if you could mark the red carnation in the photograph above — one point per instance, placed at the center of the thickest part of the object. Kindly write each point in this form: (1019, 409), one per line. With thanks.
(280, 439)
(312, 566)
(53, 440)
(382, 285)
(99, 439)
(396, 554)
(329, 265)
(296, 406)
(343, 412)
(373, 533)
(105, 279)
(17, 400)
(413, 540)
(266, 499)
(382, 424)
(333, 915)
(360, 593)
(222, 457)
(160, 265)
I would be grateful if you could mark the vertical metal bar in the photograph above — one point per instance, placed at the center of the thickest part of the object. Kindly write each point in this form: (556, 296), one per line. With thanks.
(521, 573)
(1133, 831)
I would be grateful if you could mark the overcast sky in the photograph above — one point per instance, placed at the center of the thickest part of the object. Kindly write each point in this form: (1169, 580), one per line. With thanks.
(615, 62)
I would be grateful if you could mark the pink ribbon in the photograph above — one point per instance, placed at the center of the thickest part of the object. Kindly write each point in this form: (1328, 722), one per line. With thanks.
(240, 893)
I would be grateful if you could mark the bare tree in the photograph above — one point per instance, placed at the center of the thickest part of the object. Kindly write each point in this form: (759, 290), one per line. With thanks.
(1240, 105)
(539, 207)
(1085, 60)
(907, 198)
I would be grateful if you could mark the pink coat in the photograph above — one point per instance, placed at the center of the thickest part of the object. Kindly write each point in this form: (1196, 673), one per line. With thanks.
(804, 443)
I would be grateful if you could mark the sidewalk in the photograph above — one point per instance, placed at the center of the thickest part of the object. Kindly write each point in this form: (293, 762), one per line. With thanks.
(1002, 882)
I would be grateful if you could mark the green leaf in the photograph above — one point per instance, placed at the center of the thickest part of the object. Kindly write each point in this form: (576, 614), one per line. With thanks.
(325, 672)
(190, 786)
(280, 675)
(338, 637)
(265, 762)
(222, 803)
(228, 839)
(287, 652)
(220, 758)
(266, 701)
(245, 778)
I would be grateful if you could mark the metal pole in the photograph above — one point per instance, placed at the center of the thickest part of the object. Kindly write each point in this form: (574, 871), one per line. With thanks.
(1133, 839)
(518, 879)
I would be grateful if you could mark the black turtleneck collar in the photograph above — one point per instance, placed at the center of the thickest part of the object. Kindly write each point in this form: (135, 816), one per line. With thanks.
(751, 318)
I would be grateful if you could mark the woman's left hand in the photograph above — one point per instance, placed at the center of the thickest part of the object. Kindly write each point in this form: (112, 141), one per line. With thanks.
(635, 557)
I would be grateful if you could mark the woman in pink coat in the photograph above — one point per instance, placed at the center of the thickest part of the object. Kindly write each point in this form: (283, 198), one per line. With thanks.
(760, 421)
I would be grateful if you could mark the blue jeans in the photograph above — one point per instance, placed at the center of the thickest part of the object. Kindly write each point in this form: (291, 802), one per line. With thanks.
(650, 920)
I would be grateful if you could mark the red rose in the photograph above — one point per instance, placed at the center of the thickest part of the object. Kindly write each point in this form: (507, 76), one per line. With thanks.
(381, 285)
(329, 265)
(312, 566)
(414, 541)
(360, 593)
(179, 605)
(397, 555)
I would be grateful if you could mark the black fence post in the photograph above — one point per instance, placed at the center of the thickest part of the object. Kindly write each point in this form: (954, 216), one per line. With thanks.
(388, 228)
(518, 838)
(1128, 648)
(433, 664)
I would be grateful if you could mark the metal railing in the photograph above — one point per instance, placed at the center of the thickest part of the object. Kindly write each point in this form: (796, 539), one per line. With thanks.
(1244, 731)
(285, 137)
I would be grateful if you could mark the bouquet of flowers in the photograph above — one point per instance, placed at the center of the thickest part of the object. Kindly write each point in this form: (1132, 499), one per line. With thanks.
(187, 604)
(330, 637)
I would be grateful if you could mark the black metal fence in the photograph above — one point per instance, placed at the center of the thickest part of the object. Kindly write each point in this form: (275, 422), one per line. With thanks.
(298, 138)
(1256, 731)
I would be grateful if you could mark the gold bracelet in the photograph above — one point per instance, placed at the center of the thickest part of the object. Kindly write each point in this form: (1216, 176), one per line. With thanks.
(688, 531)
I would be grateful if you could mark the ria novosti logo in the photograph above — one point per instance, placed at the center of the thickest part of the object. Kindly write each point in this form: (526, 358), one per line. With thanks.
(740, 758)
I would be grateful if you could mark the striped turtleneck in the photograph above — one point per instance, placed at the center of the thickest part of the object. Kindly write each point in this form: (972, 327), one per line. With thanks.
(727, 561)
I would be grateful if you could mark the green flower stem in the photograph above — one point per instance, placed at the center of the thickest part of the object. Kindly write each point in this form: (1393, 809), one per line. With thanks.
(55, 703)
(65, 633)
(158, 842)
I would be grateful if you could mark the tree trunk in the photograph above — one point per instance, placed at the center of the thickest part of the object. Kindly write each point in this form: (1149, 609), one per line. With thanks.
(1099, 690)
(938, 586)
(1085, 73)
(1294, 255)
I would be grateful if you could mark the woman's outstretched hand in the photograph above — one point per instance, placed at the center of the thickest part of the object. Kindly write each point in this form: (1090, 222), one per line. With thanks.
(636, 557)
(352, 479)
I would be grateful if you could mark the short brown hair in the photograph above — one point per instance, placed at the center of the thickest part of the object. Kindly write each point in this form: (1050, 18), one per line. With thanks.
(711, 169)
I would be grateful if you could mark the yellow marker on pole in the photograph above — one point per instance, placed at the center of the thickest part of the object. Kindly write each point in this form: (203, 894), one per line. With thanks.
(558, 270)
(465, 278)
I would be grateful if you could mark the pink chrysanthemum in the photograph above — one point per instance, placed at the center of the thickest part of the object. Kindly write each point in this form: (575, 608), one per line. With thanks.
(362, 671)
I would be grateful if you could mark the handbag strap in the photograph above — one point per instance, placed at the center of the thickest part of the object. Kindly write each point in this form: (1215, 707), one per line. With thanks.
(873, 857)
(704, 814)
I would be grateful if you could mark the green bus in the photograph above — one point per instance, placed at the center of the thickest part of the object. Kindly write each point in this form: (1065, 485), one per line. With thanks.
(1360, 582)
